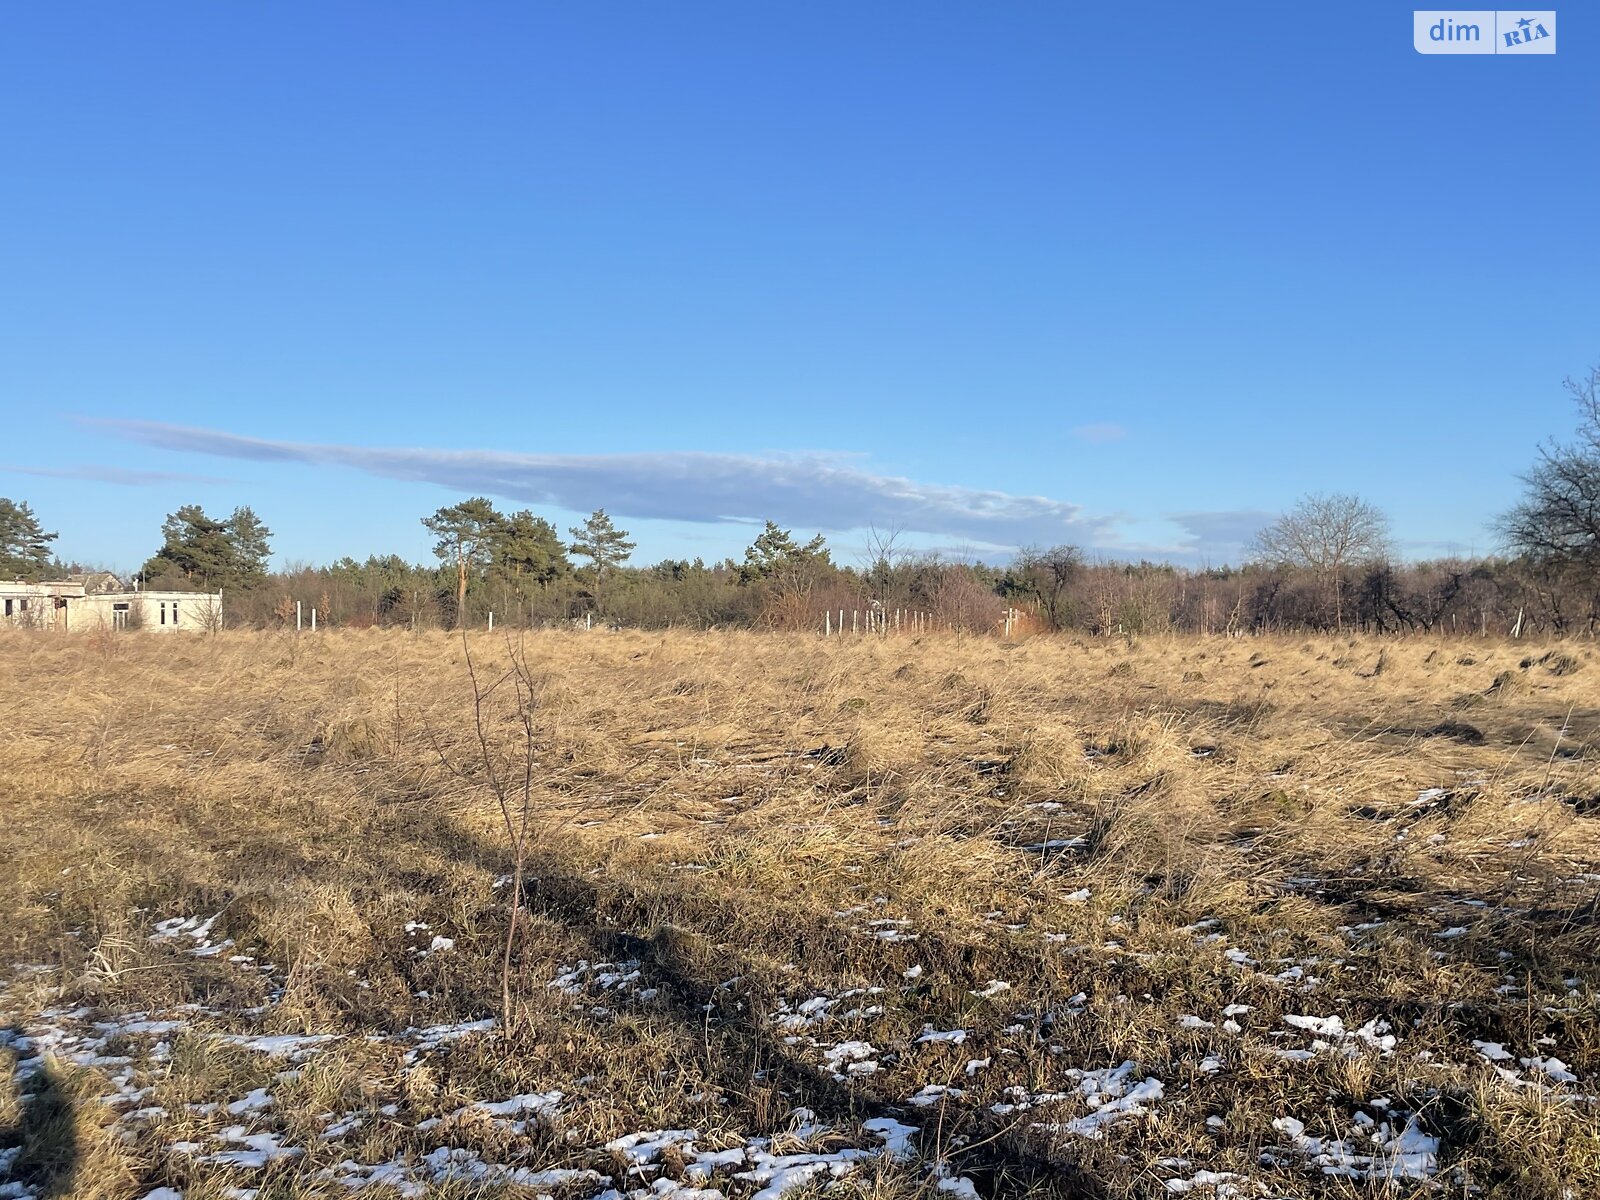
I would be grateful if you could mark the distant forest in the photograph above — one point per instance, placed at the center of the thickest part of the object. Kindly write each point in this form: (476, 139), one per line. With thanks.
(1328, 563)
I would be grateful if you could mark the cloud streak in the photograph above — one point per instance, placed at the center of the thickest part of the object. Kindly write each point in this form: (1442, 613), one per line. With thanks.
(808, 491)
(1222, 535)
(122, 476)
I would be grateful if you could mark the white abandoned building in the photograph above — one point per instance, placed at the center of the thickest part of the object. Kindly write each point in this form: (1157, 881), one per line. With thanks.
(101, 601)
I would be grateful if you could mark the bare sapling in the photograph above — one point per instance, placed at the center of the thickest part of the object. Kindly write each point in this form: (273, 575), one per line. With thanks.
(507, 764)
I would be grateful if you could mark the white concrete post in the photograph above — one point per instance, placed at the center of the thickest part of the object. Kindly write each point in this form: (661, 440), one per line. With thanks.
(297, 616)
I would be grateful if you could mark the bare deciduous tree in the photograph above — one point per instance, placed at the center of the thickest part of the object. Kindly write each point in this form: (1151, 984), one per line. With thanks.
(1557, 525)
(1045, 575)
(881, 559)
(1326, 535)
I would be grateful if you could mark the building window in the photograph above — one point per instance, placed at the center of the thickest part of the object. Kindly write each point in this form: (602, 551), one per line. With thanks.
(10, 611)
(119, 616)
(163, 612)
(174, 612)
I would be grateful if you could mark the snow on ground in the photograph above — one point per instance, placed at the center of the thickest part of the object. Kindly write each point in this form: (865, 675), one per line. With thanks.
(1373, 1148)
(620, 979)
(250, 1142)
(1111, 1096)
(1331, 1032)
(842, 1033)
(819, 1009)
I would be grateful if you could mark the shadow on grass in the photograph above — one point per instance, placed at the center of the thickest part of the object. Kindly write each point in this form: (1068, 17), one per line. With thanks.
(43, 1145)
(738, 1050)
(614, 919)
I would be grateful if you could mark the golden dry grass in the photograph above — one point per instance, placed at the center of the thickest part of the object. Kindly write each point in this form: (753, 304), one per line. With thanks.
(1285, 824)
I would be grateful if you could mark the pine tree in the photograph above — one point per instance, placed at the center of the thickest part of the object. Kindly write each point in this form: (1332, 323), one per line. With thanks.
(209, 552)
(528, 549)
(192, 545)
(251, 546)
(603, 544)
(467, 533)
(776, 553)
(24, 545)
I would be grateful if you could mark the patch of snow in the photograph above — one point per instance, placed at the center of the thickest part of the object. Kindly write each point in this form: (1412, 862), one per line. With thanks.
(1221, 1183)
(1552, 1066)
(1074, 843)
(932, 1093)
(260, 1149)
(647, 1147)
(1111, 1095)
(253, 1101)
(851, 1058)
(1382, 1151)
(1375, 1032)
(294, 1046)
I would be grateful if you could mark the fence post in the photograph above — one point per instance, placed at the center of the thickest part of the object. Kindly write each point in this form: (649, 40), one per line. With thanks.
(313, 620)
(491, 620)
(855, 620)
(827, 623)
(297, 616)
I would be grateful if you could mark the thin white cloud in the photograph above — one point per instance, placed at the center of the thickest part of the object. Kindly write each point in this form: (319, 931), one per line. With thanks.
(808, 491)
(1100, 433)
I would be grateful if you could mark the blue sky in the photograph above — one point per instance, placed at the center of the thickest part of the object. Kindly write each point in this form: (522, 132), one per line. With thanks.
(993, 273)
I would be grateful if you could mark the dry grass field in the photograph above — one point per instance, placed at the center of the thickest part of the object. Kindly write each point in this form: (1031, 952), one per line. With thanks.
(880, 917)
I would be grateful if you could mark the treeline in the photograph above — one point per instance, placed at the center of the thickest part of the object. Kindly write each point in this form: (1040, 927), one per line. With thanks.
(1497, 596)
(1328, 563)
(1325, 565)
